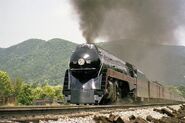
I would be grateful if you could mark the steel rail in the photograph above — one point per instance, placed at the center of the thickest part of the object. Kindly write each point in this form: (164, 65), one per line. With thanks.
(31, 113)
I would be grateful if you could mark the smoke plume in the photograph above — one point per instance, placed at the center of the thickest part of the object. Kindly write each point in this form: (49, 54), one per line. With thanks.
(151, 21)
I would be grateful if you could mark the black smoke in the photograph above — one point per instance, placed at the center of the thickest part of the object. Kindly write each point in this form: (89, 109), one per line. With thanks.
(151, 21)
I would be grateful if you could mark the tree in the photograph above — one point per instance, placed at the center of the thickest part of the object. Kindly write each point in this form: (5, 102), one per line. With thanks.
(48, 92)
(38, 93)
(5, 84)
(25, 96)
(58, 92)
(17, 86)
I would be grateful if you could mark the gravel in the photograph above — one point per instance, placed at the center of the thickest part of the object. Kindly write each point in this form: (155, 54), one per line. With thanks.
(87, 117)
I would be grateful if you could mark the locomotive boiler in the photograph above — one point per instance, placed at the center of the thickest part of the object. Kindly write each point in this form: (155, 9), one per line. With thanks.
(95, 76)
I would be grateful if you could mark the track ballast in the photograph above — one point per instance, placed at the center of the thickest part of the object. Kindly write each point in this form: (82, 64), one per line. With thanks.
(36, 113)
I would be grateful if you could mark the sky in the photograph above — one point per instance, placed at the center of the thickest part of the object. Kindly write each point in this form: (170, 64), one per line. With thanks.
(21, 20)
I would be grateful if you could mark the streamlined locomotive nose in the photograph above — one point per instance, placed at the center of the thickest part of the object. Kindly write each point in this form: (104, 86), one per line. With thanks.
(84, 79)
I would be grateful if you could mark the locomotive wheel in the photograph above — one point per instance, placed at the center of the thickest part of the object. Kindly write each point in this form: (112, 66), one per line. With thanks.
(112, 91)
(112, 94)
(115, 92)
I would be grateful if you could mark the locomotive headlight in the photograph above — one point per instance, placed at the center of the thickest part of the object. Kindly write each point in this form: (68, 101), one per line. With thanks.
(81, 61)
(83, 86)
(93, 84)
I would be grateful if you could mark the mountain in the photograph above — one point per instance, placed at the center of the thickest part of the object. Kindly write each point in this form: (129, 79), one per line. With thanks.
(37, 60)
(163, 63)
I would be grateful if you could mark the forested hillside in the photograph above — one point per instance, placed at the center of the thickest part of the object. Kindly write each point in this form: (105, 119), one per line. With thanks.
(36, 60)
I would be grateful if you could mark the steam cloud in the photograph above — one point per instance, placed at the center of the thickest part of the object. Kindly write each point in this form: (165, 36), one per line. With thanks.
(151, 21)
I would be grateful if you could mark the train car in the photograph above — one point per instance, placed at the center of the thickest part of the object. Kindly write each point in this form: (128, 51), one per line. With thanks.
(95, 76)
(156, 92)
(142, 87)
(167, 94)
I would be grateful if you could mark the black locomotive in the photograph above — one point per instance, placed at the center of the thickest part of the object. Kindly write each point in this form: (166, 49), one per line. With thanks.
(97, 77)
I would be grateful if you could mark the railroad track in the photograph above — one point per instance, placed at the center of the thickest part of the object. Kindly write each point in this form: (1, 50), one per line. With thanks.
(36, 113)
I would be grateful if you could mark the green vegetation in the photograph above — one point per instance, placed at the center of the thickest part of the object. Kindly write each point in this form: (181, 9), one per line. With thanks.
(26, 93)
(177, 89)
(48, 92)
(37, 60)
(181, 89)
(5, 84)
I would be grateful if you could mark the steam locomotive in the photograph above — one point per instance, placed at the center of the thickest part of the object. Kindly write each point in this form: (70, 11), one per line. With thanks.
(98, 77)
